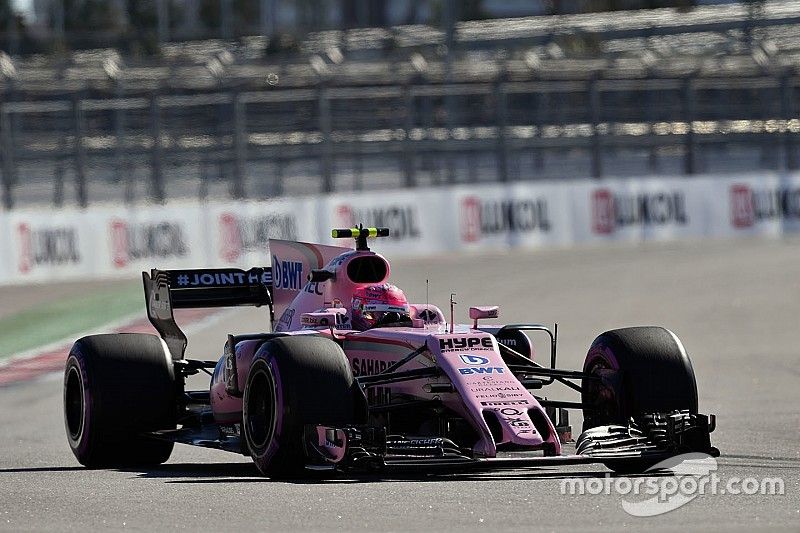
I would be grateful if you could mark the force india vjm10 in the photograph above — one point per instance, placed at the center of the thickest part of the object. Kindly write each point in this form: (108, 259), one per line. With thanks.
(355, 379)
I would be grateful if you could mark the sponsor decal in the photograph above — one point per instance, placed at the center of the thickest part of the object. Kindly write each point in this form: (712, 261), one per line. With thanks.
(313, 287)
(286, 319)
(401, 219)
(449, 344)
(234, 430)
(493, 217)
(750, 206)
(482, 370)
(222, 278)
(46, 246)
(367, 367)
(486, 396)
(498, 403)
(287, 274)
(474, 360)
(240, 234)
(130, 242)
(611, 212)
(337, 320)
(434, 441)
(515, 418)
(493, 389)
(498, 381)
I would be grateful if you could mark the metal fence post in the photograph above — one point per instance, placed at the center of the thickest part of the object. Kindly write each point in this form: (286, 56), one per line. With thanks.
(58, 176)
(324, 106)
(501, 110)
(239, 145)
(8, 158)
(450, 13)
(80, 153)
(787, 110)
(156, 176)
(689, 164)
(652, 150)
(119, 133)
(541, 104)
(409, 159)
(594, 113)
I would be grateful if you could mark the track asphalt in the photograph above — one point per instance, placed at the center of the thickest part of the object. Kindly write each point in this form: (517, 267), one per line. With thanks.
(735, 305)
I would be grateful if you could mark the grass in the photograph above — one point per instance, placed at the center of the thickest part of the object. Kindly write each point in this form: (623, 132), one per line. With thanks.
(59, 319)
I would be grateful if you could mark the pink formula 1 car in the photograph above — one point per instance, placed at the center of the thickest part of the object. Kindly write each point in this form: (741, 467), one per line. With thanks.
(353, 378)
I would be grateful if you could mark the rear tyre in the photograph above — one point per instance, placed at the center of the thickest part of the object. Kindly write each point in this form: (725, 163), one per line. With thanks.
(117, 387)
(294, 381)
(643, 370)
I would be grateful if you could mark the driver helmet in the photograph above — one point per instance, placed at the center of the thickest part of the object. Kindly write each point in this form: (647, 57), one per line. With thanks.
(379, 304)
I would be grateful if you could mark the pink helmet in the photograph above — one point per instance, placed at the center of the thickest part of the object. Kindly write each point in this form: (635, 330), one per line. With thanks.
(377, 305)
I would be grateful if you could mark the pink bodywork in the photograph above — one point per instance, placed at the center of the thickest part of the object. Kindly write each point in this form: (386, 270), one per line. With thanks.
(482, 384)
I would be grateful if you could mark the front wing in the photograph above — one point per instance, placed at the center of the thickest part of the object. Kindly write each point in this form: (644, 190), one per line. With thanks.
(644, 442)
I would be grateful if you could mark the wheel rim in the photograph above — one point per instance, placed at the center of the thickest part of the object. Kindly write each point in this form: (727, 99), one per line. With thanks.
(74, 403)
(260, 409)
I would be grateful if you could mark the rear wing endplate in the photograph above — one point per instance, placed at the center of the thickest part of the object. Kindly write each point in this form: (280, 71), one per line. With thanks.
(165, 290)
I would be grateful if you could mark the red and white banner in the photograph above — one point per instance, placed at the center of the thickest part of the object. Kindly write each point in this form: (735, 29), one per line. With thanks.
(418, 218)
(53, 245)
(636, 210)
(514, 215)
(104, 241)
(760, 205)
(138, 239)
(239, 233)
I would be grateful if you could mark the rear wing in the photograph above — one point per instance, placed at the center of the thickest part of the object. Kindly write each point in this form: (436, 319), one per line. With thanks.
(165, 290)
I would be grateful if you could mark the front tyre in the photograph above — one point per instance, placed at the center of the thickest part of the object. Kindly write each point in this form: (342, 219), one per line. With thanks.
(642, 370)
(294, 381)
(118, 387)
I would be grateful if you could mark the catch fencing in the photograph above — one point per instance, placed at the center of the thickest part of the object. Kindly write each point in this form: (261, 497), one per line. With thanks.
(134, 147)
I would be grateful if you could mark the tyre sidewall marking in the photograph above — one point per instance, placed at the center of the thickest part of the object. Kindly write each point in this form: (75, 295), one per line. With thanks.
(82, 444)
(270, 369)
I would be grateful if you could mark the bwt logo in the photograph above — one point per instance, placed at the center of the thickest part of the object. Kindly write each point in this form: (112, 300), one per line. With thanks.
(47, 246)
(141, 241)
(402, 220)
(615, 211)
(481, 217)
(474, 359)
(749, 206)
(287, 274)
(240, 234)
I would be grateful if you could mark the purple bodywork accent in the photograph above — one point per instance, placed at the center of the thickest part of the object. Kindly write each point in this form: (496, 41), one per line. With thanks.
(88, 399)
(279, 407)
(603, 352)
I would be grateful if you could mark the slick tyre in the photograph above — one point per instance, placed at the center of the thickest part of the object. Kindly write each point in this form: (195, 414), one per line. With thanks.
(643, 370)
(294, 381)
(116, 388)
